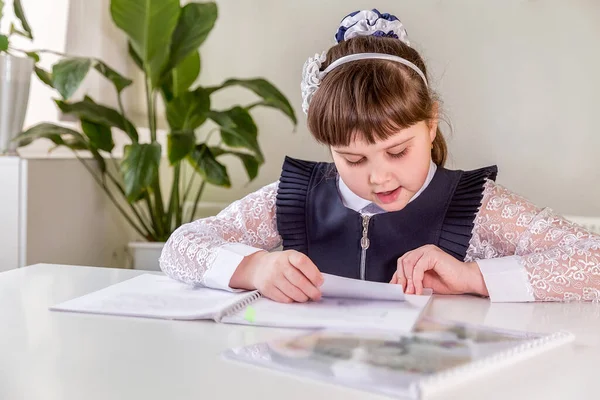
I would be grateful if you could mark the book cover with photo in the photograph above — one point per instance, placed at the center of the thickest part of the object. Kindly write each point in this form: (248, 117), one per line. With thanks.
(437, 354)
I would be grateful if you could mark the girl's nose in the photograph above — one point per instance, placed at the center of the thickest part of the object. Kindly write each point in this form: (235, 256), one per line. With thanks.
(379, 176)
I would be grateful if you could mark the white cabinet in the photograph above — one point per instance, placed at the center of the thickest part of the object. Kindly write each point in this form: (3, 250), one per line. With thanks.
(12, 218)
(52, 211)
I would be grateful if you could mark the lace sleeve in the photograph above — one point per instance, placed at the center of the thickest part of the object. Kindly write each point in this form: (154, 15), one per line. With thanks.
(192, 249)
(562, 259)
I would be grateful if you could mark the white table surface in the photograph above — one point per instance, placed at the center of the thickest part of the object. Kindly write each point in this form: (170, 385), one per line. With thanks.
(48, 355)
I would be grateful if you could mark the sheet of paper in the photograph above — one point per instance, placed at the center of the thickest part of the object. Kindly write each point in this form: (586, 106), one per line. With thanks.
(339, 287)
(336, 313)
(347, 304)
(152, 296)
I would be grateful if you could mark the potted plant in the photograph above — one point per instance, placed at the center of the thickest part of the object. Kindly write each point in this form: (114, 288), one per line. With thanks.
(163, 39)
(15, 78)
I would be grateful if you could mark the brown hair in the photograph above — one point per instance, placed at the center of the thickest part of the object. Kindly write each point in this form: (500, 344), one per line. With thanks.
(373, 98)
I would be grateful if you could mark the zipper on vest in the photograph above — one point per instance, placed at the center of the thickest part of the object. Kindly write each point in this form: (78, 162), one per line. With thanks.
(364, 245)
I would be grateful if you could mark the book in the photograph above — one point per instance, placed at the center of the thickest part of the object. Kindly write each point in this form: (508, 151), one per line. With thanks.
(345, 304)
(434, 356)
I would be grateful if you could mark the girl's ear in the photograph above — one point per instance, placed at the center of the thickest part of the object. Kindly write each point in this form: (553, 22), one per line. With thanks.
(433, 122)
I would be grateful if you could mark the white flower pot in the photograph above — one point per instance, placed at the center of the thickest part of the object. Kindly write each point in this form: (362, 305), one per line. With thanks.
(15, 77)
(145, 255)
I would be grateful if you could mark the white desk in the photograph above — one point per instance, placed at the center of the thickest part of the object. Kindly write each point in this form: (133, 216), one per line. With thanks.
(62, 356)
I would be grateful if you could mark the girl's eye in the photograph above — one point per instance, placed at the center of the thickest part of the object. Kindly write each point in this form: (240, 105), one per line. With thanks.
(354, 163)
(399, 155)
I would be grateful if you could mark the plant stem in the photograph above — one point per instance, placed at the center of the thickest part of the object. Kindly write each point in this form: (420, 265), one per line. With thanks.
(174, 200)
(114, 200)
(189, 187)
(56, 53)
(251, 106)
(145, 220)
(122, 109)
(155, 222)
(154, 99)
(200, 190)
(151, 110)
(159, 209)
(141, 219)
(181, 202)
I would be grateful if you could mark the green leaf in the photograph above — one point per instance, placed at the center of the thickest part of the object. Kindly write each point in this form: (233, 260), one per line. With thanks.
(75, 144)
(44, 76)
(135, 56)
(3, 43)
(68, 75)
(32, 54)
(47, 131)
(188, 111)
(205, 163)
(185, 74)
(251, 163)
(92, 112)
(149, 25)
(179, 145)
(60, 136)
(166, 90)
(195, 23)
(238, 129)
(117, 79)
(21, 15)
(272, 97)
(139, 168)
(99, 135)
(15, 31)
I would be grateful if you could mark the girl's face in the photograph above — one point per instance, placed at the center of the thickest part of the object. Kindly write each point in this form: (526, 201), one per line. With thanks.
(389, 172)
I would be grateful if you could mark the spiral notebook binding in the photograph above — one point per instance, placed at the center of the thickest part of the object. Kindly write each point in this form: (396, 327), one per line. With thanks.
(443, 380)
(238, 306)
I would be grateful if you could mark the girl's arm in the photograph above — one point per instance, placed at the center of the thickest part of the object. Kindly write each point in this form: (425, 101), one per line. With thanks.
(526, 253)
(207, 251)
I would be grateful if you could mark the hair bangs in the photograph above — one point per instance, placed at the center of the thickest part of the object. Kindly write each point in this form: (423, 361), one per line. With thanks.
(368, 100)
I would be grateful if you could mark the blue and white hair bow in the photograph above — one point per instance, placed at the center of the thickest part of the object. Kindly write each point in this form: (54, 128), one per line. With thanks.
(358, 23)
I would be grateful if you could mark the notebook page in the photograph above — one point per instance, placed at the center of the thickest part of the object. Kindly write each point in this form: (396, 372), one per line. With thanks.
(335, 313)
(419, 364)
(153, 296)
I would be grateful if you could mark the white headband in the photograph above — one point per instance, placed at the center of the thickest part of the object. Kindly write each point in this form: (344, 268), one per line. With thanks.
(312, 74)
(372, 56)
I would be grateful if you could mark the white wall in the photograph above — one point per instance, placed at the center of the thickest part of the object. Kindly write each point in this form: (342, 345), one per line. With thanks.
(519, 80)
(69, 218)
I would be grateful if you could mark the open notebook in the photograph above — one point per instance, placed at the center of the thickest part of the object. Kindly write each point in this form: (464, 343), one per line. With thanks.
(346, 304)
(432, 358)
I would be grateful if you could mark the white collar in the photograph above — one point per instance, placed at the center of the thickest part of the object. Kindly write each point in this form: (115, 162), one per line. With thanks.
(356, 203)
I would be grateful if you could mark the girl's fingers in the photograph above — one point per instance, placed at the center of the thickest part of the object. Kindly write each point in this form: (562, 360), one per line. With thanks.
(291, 291)
(299, 280)
(277, 295)
(408, 264)
(400, 278)
(306, 266)
(418, 274)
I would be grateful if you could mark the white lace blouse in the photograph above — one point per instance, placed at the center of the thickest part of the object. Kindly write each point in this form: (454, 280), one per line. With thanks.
(525, 253)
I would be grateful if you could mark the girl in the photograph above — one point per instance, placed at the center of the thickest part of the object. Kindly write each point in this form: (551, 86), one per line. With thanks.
(385, 210)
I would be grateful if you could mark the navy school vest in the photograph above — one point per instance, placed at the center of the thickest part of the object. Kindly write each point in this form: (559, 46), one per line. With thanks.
(312, 219)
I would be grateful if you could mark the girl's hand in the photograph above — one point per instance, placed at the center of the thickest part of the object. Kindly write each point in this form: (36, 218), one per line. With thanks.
(431, 267)
(283, 276)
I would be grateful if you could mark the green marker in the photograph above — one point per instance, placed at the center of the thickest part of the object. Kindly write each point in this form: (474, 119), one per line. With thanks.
(250, 314)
